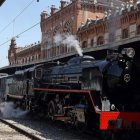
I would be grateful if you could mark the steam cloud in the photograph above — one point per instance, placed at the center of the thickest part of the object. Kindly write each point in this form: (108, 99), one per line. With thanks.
(8, 110)
(70, 41)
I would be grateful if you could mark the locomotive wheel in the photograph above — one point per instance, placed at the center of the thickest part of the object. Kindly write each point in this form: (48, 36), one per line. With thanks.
(51, 109)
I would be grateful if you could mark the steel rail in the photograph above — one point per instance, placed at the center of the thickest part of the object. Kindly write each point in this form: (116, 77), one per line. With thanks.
(20, 130)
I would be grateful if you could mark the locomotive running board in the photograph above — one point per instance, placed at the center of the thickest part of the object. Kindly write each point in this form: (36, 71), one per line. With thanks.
(63, 118)
(88, 92)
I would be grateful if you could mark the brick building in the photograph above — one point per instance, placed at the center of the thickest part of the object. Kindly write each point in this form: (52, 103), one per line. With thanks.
(23, 55)
(98, 25)
(118, 27)
(66, 21)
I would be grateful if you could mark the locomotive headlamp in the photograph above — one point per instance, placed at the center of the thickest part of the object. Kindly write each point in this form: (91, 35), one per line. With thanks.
(113, 107)
(130, 52)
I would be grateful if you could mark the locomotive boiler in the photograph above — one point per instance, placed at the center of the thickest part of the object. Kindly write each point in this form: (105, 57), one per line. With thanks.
(88, 93)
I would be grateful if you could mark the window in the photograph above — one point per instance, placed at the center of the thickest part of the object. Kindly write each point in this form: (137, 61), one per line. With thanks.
(65, 49)
(124, 33)
(57, 29)
(68, 26)
(84, 44)
(48, 53)
(138, 29)
(91, 43)
(39, 56)
(32, 58)
(100, 40)
(25, 60)
(57, 50)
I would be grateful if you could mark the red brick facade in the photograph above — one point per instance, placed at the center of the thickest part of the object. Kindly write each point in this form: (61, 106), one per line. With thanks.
(119, 26)
(96, 25)
(65, 21)
(23, 55)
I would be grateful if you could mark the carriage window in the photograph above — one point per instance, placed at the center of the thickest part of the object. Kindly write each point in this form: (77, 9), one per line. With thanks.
(38, 73)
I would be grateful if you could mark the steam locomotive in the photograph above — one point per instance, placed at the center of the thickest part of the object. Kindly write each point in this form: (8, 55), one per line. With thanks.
(87, 93)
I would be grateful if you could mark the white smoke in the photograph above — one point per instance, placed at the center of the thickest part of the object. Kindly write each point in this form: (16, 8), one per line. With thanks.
(58, 39)
(69, 41)
(8, 110)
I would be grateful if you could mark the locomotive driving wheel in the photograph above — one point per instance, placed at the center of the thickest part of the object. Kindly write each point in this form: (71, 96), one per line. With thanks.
(51, 109)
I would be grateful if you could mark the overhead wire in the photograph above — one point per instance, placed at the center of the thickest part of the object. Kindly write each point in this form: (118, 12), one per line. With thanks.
(16, 17)
(13, 24)
(21, 33)
(14, 21)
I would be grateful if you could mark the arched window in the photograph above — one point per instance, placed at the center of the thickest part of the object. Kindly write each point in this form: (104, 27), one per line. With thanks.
(91, 42)
(138, 29)
(57, 50)
(84, 44)
(68, 26)
(39, 56)
(124, 33)
(32, 58)
(57, 29)
(65, 48)
(100, 40)
(48, 53)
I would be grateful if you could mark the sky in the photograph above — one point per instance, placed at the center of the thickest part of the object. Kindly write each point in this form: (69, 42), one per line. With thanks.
(10, 27)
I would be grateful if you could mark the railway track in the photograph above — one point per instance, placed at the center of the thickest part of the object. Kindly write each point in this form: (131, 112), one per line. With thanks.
(37, 129)
(43, 130)
(20, 130)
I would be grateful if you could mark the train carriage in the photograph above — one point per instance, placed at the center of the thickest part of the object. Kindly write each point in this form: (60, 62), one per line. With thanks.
(2, 85)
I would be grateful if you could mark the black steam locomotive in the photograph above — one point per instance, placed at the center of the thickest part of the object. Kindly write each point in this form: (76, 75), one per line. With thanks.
(85, 92)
